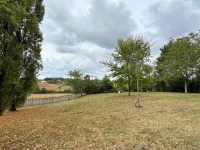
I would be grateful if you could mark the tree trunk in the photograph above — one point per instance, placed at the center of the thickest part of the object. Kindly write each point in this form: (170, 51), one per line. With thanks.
(13, 105)
(2, 77)
(137, 86)
(185, 86)
(129, 86)
(137, 102)
(1, 112)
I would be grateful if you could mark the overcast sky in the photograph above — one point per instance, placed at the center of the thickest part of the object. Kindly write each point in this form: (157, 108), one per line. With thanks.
(78, 34)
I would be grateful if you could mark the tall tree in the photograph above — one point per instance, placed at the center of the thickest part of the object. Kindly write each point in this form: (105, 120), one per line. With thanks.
(107, 84)
(182, 59)
(127, 61)
(87, 84)
(159, 70)
(20, 47)
(75, 80)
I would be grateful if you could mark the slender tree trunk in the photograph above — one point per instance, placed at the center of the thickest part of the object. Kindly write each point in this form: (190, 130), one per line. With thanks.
(185, 86)
(137, 102)
(137, 86)
(129, 86)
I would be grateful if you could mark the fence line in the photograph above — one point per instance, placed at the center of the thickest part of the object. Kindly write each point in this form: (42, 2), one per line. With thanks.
(40, 101)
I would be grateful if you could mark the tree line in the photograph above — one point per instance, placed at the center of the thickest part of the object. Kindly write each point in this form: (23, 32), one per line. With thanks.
(87, 84)
(175, 70)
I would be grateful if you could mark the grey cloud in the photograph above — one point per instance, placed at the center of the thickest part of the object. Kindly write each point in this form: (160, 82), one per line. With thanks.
(196, 3)
(68, 49)
(108, 23)
(173, 19)
(104, 24)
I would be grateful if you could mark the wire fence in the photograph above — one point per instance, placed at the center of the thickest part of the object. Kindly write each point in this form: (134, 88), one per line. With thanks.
(40, 101)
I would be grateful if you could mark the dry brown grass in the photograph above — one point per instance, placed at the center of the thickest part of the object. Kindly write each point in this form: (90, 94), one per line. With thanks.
(45, 95)
(106, 121)
(54, 87)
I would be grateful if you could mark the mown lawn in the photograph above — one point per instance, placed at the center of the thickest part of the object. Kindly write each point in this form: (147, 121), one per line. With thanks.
(106, 121)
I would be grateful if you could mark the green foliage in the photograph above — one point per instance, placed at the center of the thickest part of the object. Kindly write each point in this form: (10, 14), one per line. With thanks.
(107, 84)
(94, 87)
(75, 81)
(43, 90)
(179, 59)
(35, 88)
(84, 84)
(20, 46)
(66, 91)
(54, 80)
(128, 59)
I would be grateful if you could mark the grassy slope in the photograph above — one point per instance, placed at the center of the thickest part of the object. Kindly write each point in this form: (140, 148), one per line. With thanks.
(106, 121)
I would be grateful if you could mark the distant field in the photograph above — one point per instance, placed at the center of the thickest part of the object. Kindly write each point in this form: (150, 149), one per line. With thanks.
(106, 121)
(45, 95)
(54, 87)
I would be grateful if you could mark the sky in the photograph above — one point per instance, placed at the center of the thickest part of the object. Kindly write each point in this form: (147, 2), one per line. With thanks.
(79, 34)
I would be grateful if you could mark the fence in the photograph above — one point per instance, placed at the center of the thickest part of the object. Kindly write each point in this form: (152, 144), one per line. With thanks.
(40, 101)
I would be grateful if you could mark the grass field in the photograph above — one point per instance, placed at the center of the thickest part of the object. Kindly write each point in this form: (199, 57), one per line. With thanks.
(31, 96)
(106, 121)
(54, 87)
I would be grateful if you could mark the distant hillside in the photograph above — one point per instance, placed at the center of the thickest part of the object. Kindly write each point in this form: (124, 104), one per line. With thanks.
(54, 87)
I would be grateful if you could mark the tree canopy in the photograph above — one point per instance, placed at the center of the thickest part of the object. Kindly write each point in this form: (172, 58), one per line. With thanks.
(84, 84)
(127, 60)
(180, 58)
(20, 47)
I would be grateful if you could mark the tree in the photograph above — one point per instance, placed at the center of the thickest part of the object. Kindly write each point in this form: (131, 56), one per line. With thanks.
(87, 84)
(107, 84)
(127, 61)
(96, 86)
(76, 80)
(20, 47)
(147, 79)
(182, 58)
(35, 87)
(159, 70)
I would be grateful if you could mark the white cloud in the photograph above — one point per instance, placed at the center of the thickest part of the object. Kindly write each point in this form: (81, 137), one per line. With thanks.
(172, 19)
(102, 23)
(79, 34)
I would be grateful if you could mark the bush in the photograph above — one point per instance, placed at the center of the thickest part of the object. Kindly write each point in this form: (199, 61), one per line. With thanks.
(112, 91)
(44, 91)
(65, 91)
